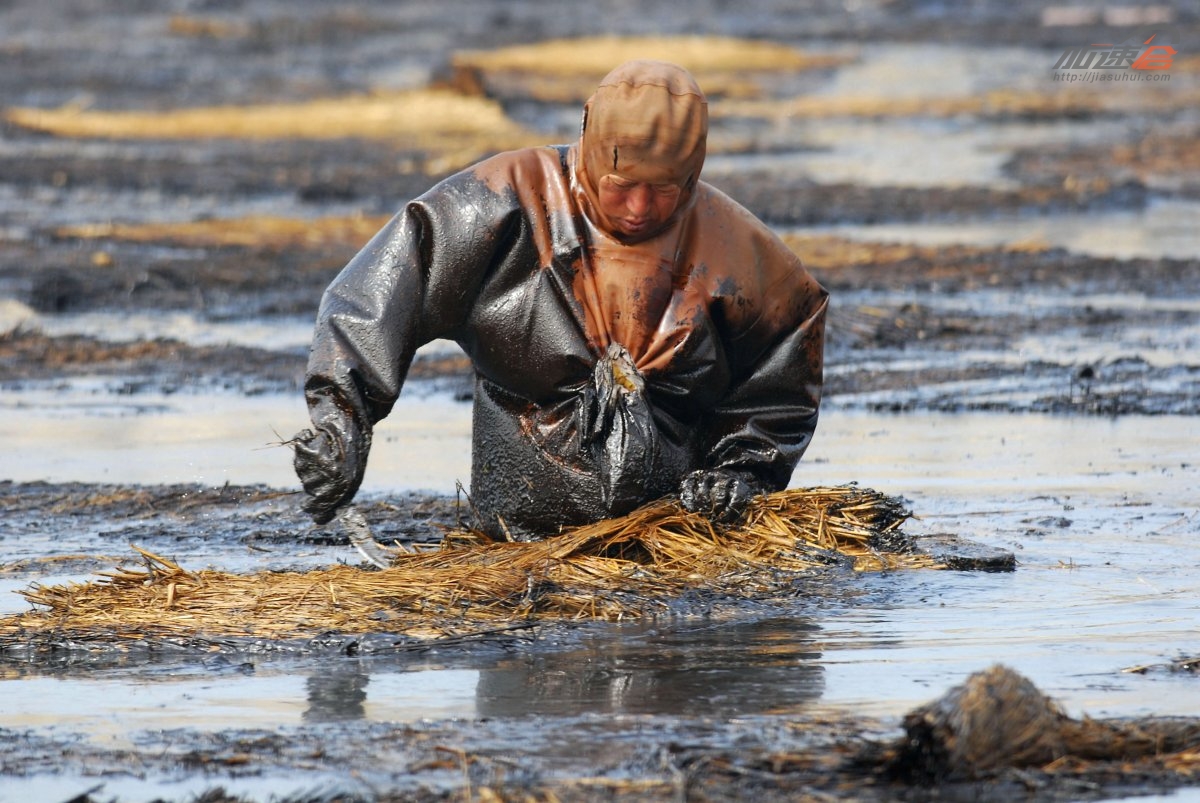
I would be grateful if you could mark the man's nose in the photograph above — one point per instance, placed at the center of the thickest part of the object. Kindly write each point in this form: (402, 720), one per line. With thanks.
(638, 200)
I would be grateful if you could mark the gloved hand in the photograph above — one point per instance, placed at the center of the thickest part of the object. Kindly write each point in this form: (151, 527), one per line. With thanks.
(330, 470)
(719, 494)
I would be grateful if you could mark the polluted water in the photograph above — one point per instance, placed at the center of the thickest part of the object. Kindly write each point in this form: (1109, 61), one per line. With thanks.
(1094, 492)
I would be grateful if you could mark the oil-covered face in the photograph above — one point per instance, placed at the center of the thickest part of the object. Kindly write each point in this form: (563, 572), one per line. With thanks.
(641, 148)
(636, 210)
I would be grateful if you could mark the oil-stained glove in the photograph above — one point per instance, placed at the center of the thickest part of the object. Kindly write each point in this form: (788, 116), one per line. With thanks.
(721, 495)
(330, 469)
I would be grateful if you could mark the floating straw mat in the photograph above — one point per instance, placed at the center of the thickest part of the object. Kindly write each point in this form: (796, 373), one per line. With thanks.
(613, 569)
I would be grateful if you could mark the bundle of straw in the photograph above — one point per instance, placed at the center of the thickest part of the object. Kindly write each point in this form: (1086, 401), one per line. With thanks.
(613, 569)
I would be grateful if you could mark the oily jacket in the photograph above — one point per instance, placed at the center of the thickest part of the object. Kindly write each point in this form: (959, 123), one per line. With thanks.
(604, 371)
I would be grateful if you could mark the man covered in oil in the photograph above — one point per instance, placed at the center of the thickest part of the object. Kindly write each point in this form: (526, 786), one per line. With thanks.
(635, 333)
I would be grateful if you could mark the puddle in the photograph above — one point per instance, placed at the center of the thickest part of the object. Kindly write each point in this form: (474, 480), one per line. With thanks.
(1101, 516)
(257, 696)
(723, 669)
(895, 153)
(289, 334)
(92, 435)
(1142, 342)
(1004, 301)
(931, 69)
(710, 668)
(1100, 512)
(26, 210)
(1165, 228)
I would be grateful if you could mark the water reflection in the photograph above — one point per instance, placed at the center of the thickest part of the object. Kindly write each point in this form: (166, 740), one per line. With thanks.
(710, 669)
(337, 695)
(723, 669)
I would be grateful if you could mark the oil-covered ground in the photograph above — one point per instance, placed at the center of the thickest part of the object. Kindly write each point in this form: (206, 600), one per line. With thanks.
(1014, 349)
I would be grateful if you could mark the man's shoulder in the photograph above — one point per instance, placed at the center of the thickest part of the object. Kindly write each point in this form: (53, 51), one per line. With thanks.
(715, 200)
(548, 160)
(501, 181)
(718, 215)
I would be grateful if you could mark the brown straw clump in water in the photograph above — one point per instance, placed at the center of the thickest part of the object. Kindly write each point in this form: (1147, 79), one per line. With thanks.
(455, 130)
(612, 569)
(567, 70)
(997, 103)
(428, 116)
(252, 231)
(593, 57)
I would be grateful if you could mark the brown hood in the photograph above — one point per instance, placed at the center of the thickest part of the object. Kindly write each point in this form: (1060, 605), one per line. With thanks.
(648, 121)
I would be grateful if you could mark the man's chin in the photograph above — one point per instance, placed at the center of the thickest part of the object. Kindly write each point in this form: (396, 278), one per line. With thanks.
(633, 232)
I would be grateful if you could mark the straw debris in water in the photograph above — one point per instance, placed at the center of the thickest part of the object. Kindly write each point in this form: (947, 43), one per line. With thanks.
(251, 231)
(455, 129)
(613, 569)
(566, 70)
(1000, 103)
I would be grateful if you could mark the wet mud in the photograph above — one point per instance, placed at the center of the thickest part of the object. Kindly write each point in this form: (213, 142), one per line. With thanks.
(994, 736)
(865, 339)
(920, 323)
(666, 732)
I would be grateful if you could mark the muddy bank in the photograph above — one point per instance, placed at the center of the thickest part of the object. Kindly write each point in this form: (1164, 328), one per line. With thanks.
(324, 48)
(719, 703)
(163, 365)
(30, 358)
(692, 758)
(236, 282)
(225, 518)
(1167, 162)
(88, 216)
(905, 352)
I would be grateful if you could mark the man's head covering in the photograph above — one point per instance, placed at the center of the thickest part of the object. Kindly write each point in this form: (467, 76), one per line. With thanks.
(648, 121)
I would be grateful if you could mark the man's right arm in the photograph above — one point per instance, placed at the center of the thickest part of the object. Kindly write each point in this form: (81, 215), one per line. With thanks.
(412, 283)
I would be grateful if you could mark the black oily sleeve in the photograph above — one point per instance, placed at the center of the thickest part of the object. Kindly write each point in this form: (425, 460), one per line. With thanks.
(766, 422)
(412, 283)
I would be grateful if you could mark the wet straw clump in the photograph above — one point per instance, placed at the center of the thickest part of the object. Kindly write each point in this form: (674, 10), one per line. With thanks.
(615, 569)
(998, 719)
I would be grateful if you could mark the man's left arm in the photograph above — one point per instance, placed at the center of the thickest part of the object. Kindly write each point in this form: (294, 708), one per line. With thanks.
(766, 421)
